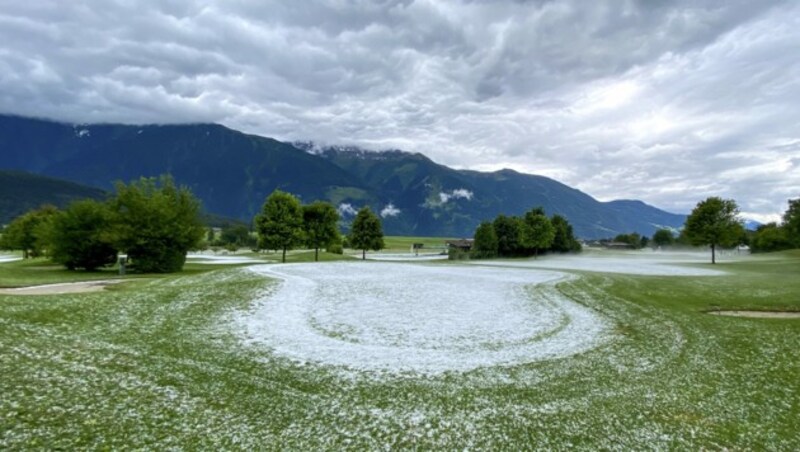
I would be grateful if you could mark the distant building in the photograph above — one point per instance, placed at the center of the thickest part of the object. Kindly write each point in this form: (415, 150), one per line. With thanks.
(618, 246)
(461, 244)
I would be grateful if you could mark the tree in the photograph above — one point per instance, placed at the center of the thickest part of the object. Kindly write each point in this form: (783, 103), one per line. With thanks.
(564, 239)
(791, 222)
(280, 223)
(81, 237)
(537, 231)
(508, 231)
(485, 244)
(663, 237)
(770, 237)
(319, 222)
(714, 222)
(26, 232)
(156, 223)
(235, 236)
(366, 232)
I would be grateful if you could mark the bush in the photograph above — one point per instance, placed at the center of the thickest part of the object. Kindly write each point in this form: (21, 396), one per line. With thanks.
(336, 248)
(457, 254)
(80, 237)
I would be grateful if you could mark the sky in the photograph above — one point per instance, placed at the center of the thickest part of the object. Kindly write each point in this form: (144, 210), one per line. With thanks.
(664, 101)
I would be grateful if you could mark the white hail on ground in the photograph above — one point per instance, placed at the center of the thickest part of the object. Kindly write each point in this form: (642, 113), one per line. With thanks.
(420, 318)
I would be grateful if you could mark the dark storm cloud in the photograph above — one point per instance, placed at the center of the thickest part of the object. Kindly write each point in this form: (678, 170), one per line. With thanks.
(663, 101)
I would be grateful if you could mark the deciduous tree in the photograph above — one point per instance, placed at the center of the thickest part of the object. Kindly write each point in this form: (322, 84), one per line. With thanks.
(156, 223)
(366, 232)
(319, 222)
(26, 232)
(537, 231)
(714, 222)
(81, 236)
(663, 237)
(280, 223)
(485, 244)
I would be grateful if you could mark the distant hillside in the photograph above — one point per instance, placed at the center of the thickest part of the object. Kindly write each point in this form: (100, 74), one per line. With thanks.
(232, 173)
(20, 192)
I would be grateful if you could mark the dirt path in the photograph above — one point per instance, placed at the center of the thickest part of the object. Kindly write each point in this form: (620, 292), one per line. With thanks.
(62, 288)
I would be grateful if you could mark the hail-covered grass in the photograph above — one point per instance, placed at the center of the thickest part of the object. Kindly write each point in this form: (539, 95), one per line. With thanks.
(161, 364)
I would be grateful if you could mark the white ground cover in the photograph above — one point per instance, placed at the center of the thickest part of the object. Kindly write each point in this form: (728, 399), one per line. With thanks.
(224, 259)
(9, 258)
(404, 257)
(634, 263)
(418, 318)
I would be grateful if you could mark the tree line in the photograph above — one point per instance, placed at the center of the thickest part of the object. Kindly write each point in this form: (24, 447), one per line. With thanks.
(525, 236)
(284, 223)
(156, 223)
(152, 220)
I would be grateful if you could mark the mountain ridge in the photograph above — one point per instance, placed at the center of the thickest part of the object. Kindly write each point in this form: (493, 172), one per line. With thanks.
(232, 172)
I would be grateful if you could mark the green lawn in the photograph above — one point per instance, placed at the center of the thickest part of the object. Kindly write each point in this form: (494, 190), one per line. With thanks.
(154, 364)
(401, 243)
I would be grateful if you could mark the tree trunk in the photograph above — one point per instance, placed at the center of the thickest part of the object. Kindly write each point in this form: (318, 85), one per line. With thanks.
(535, 253)
(363, 254)
(316, 254)
(713, 254)
(283, 259)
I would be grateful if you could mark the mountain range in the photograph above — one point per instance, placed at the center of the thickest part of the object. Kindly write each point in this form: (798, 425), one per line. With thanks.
(232, 173)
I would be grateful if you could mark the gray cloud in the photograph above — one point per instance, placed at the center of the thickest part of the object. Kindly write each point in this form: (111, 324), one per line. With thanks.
(663, 101)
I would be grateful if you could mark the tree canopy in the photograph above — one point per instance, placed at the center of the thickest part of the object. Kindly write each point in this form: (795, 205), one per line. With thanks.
(320, 221)
(791, 222)
(714, 222)
(485, 244)
(564, 239)
(537, 231)
(26, 232)
(366, 232)
(280, 223)
(81, 236)
(663, 237)
(157, 223)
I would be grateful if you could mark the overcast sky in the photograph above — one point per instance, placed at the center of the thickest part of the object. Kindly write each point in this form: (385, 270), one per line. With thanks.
(667, 102)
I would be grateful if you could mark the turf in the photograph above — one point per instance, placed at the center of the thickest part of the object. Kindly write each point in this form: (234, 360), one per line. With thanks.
(155, 364)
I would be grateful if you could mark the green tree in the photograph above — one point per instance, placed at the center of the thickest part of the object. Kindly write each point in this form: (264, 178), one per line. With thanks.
(537, 231)
(485, 244)
(791, 222)
(320, 221)
(366, 232)
(633, 239)
(81, 236)
(770, 237)
(27, 232)
(564, 239)
(714, 222)
(663, 237)
(508, 231)
(234, 236)
(280, 223)
(156, 223)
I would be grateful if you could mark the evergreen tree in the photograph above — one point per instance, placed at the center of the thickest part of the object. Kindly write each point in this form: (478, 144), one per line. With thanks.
(366, 232)
(280, 223)
(791, 222)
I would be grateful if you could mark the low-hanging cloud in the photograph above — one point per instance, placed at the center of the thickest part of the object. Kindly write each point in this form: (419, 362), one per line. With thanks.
(668, 102)
(390, 211)
(459, 193)
(346, 209)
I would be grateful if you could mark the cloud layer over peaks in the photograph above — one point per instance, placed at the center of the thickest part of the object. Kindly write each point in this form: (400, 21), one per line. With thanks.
(668, 102)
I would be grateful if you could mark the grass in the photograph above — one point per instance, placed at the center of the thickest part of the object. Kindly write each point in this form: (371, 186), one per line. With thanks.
(154, 364)
(401, 243)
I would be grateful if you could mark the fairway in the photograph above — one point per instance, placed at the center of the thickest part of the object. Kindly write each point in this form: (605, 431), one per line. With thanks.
(375, 355)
